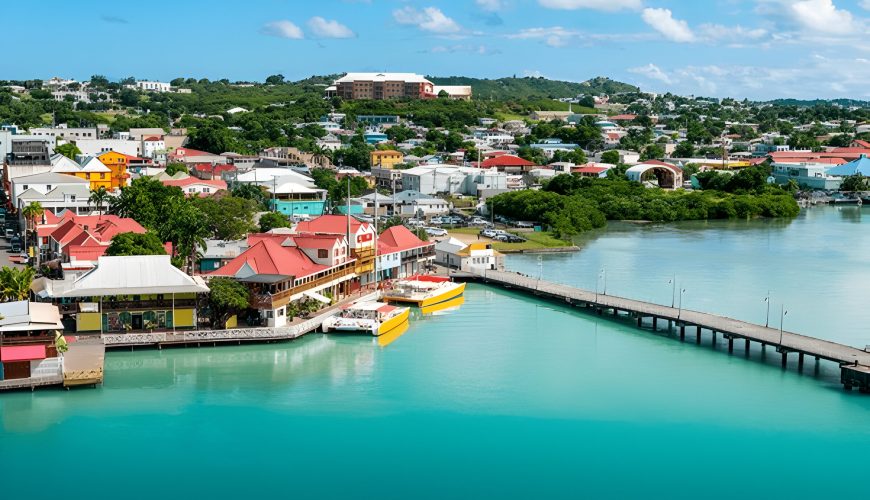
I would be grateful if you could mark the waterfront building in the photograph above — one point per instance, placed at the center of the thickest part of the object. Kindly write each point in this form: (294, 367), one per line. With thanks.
(664, 175)
(279, 275)
(455, 254)
(217, 253)
(808, 175)
(27, 340)
(126, 294)
(450, 179)
(193, 186)
(401, 253)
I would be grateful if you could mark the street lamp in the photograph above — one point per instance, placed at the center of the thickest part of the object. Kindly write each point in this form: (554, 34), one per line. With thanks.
(680, 310)
(673, 283)
(604, 274)
(783, 312)
(767, 320)
(540, 270)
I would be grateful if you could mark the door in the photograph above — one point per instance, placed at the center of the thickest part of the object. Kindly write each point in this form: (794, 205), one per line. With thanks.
(137, 322)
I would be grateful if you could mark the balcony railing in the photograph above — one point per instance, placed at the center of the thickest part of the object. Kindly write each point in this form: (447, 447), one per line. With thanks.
(278, 299)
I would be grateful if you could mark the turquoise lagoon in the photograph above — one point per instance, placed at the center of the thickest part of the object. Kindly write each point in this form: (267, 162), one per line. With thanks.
(506, 397)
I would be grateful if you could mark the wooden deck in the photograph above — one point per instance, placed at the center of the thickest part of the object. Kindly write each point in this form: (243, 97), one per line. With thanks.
(857, 360)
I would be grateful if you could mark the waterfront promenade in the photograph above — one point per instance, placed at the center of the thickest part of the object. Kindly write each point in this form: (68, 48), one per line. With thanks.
(854, 362)
(292, 331)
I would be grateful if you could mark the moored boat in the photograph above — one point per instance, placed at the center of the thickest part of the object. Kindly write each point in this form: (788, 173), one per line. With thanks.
(423, 290)
(375, 318)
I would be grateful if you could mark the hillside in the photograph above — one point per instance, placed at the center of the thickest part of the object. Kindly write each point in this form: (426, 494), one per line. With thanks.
(534, 87)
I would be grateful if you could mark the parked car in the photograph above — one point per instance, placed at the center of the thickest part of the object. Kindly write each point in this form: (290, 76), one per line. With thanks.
(489, 233)
(524, 224)
(477, 221)
(415, 222)
(15, 244)
(436, 221)
(436, 231)
(9, 233)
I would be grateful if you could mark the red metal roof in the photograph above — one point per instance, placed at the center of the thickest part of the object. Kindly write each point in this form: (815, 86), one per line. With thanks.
(321, 241)
(269, 257)
(624, 117)
(9, 354)
(506, 161)
(589, 170)
(386, 308)
(329, 224)
(397, 239)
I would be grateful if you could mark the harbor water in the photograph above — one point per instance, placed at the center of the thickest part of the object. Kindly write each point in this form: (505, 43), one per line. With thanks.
(504, 397)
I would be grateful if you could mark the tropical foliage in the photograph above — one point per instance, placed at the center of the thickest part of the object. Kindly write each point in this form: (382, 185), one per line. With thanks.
(136, 244)
(226, 297)
(15, 283)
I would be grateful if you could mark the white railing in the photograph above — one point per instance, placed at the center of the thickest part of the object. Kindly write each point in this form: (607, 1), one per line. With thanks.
(279, 332)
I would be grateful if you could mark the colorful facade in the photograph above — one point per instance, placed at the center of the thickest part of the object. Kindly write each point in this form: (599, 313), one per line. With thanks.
(117, 163)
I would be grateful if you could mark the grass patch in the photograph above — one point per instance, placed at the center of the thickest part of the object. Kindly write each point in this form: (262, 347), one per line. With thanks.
(534, 240)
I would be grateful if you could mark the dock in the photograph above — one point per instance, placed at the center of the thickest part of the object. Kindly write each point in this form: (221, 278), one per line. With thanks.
(854, 362)
(199, 338)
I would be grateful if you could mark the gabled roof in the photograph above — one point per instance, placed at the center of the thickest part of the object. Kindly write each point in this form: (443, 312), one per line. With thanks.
(317, 241)
(399, 238)
(49, 178)
(330, 224)
(189, 181)
(93, 164)
(506, 161)
(859, 166)
(62, 164)
(268, 257)
(134, 275)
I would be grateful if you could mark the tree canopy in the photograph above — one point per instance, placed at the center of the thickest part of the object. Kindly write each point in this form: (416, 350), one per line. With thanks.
(146, 243)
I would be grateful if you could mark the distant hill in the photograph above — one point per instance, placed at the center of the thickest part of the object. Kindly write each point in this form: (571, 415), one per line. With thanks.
(534, 87)
(820, 102)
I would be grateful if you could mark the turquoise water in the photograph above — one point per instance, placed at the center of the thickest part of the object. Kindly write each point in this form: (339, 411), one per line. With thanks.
(506, 397)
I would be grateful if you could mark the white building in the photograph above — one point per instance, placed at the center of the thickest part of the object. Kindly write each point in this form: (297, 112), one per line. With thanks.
(150, 86)
(96, 147)
(66, 133)
(474, 257)
(449, 179)
(43, 183)
(153, 146)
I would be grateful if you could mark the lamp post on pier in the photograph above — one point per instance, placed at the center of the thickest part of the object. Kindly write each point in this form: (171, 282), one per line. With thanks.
(783, 312)
(673, 283)
(680, 310)
(604, 274)
(767, 301)
(540, 270)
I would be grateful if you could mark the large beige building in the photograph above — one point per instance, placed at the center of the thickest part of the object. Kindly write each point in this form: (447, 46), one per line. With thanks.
(382, 86)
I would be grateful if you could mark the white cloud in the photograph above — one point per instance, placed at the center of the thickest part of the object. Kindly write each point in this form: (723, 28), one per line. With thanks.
(325, 28)
(474, 49)
(429, 19)
(492, 5)
(283, 29)
(605, 5)
(814, 77)
(865, 4)
(822, 16)
(662, 20)
(558, 36)
(717, 32)
(652, 72)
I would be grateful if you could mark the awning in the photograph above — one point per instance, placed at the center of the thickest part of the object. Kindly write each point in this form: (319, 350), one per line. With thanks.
(22, 353)
(316, 296)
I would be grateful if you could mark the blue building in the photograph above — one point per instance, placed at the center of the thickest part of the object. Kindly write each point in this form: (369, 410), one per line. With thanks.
(375, 137)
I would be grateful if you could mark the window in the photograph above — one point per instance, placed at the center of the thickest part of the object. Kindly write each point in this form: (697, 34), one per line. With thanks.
(25, 187)
(102, 176)
(72, 198)
(322, 253)
(48, 187)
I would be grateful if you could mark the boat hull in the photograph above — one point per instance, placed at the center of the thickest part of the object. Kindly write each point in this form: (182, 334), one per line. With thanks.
(443, 296)
(393, 322)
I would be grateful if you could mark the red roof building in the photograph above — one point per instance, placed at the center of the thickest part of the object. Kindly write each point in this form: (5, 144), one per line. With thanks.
(80, 237)
(508, 163)
(623, 118)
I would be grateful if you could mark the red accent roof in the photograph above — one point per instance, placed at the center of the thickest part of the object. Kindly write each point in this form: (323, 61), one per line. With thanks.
(589, 170)
(269, 257)
(861, 144)
(215, 183)
(185, 152)
(624, 117)
(319, 241)
(506, 161)
(9, 354)
(330, 224)
(398, 239)
(386, 308)
(208, 167)
(153, 138)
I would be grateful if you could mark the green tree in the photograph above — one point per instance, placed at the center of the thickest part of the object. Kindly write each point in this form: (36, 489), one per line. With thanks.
(99, 198)
(684, 149)
(275, 79)
(32, 213)
(174, 168)
(227, 217)
(15, 283)
(271, 220)
(145, 200)
(213, 137)
(136, 244)
(69, 150)
(253, 192)
(611, 157)
(186, 226)
(226, 297)
(652, 152)
(855, 182)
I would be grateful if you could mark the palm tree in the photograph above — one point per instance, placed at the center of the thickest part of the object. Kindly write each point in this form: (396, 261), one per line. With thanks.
(31, 213)
(319, 154)
(15, 283)
(98, 198)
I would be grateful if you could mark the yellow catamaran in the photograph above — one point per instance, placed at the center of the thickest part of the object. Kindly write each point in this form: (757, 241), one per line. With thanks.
(423, 290)
(376, 318)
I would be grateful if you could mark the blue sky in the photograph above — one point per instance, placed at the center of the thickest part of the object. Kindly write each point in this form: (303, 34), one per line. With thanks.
(740, 48)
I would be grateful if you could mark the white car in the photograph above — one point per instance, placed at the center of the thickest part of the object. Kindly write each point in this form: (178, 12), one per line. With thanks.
(415, 223)
(436, 221)
(435, 231)
(478, 222)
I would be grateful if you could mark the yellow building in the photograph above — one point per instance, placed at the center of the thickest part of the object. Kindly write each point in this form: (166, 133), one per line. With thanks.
(117, 163)
(96, 173)
(386, 159)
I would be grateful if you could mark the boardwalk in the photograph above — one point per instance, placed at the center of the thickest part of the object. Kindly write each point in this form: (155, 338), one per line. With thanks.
(855, 363)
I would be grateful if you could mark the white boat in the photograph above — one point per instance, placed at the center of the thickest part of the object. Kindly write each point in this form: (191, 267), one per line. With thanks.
(375, 318)
(423, 290)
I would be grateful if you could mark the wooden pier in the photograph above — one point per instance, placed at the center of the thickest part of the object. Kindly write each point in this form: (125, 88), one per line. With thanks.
(854, 363)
